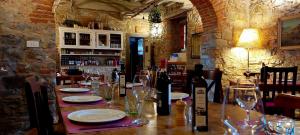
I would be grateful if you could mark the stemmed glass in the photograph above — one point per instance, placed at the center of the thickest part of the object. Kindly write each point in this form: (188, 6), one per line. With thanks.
(86, 74)
(246, 98)
(140, 93)
(146, 80)
(95, 75)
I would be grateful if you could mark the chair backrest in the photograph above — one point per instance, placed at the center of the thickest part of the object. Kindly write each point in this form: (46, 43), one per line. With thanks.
(216, 77)
(281, 79)
(37, 101)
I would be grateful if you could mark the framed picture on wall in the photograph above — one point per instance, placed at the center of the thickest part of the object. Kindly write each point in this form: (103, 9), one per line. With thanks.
(195, 45)
(289, 32)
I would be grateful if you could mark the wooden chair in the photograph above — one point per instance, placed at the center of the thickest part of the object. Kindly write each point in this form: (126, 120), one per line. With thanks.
(37, 101)
(288, 103)
(216, 77)
(278, 83)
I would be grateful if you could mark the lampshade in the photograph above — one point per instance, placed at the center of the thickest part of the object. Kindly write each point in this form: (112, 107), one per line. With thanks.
(249, 38)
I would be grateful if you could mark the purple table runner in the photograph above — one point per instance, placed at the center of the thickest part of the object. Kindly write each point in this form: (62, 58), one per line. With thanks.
(74, 127)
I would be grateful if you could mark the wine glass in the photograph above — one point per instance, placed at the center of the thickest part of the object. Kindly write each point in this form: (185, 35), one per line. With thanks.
(145, 79)
(233, 115)
(95, 75)
(140, 92)
(246, 98)
(86, 74)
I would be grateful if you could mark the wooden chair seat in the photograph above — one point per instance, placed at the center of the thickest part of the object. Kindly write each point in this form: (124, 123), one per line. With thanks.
(288, 103)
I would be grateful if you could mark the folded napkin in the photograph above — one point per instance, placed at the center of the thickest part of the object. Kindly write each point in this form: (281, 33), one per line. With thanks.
(74, 127)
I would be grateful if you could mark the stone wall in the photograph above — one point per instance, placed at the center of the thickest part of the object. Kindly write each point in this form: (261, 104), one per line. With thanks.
(166, 44)
(194, 25)
(258, 14)
(231, 17)
(23, 20)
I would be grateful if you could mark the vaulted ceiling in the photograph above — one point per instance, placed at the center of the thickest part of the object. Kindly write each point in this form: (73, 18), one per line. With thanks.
(127, 8)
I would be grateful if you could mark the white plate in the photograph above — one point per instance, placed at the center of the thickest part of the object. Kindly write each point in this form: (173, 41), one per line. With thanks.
(81, 99)
(96, 115)
(86, 83)
(90, 83)
(178, 95)
(74, 89)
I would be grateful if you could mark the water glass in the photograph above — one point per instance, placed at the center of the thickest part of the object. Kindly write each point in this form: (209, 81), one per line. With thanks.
(95, 86)
(131, 102)
(109, 92)
(86, 74)
(282, 126)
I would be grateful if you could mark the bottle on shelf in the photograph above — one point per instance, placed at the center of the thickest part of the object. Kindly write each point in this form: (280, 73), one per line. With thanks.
(163, 93)
(122, 81)
(200, 101)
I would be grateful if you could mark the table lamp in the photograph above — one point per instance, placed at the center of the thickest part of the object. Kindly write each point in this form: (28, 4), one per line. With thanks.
(249, 39)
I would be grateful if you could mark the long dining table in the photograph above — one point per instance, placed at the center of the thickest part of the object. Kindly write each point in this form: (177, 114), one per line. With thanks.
(162, 125)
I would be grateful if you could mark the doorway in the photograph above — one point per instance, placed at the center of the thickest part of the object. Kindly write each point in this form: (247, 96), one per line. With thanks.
(136, 55)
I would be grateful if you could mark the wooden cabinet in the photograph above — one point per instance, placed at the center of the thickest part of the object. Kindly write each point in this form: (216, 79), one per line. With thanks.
(176, 67)
(90, 39)
(177, 72)
(89, 48)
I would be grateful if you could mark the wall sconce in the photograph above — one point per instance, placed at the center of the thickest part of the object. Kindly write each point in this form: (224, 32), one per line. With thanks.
(156, 30)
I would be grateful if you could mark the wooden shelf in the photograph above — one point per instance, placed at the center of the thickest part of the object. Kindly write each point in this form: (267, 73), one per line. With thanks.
(115, 49)
(89, 48)
(65, 66)
(114, 55)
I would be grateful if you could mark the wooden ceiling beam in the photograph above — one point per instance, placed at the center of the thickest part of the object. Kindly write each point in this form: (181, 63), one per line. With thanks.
(104, 2)
(170, 4)
(176, 13)
(161, 2)
(124, 3)
(114, 14)
(147, 1)
(148, 6)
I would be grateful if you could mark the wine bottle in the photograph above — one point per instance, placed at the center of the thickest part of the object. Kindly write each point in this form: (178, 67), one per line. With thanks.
(200, 101)
(163, 94)
(122, 82)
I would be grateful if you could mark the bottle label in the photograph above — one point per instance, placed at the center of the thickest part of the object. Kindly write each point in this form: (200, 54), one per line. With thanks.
(200, 103)
(169, 93)
(122, 84)
(159, 103)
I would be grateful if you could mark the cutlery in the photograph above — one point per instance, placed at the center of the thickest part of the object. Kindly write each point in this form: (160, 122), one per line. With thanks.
(110, 126)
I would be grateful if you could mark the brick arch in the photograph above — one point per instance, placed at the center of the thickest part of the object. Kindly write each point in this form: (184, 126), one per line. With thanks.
(207, 14)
